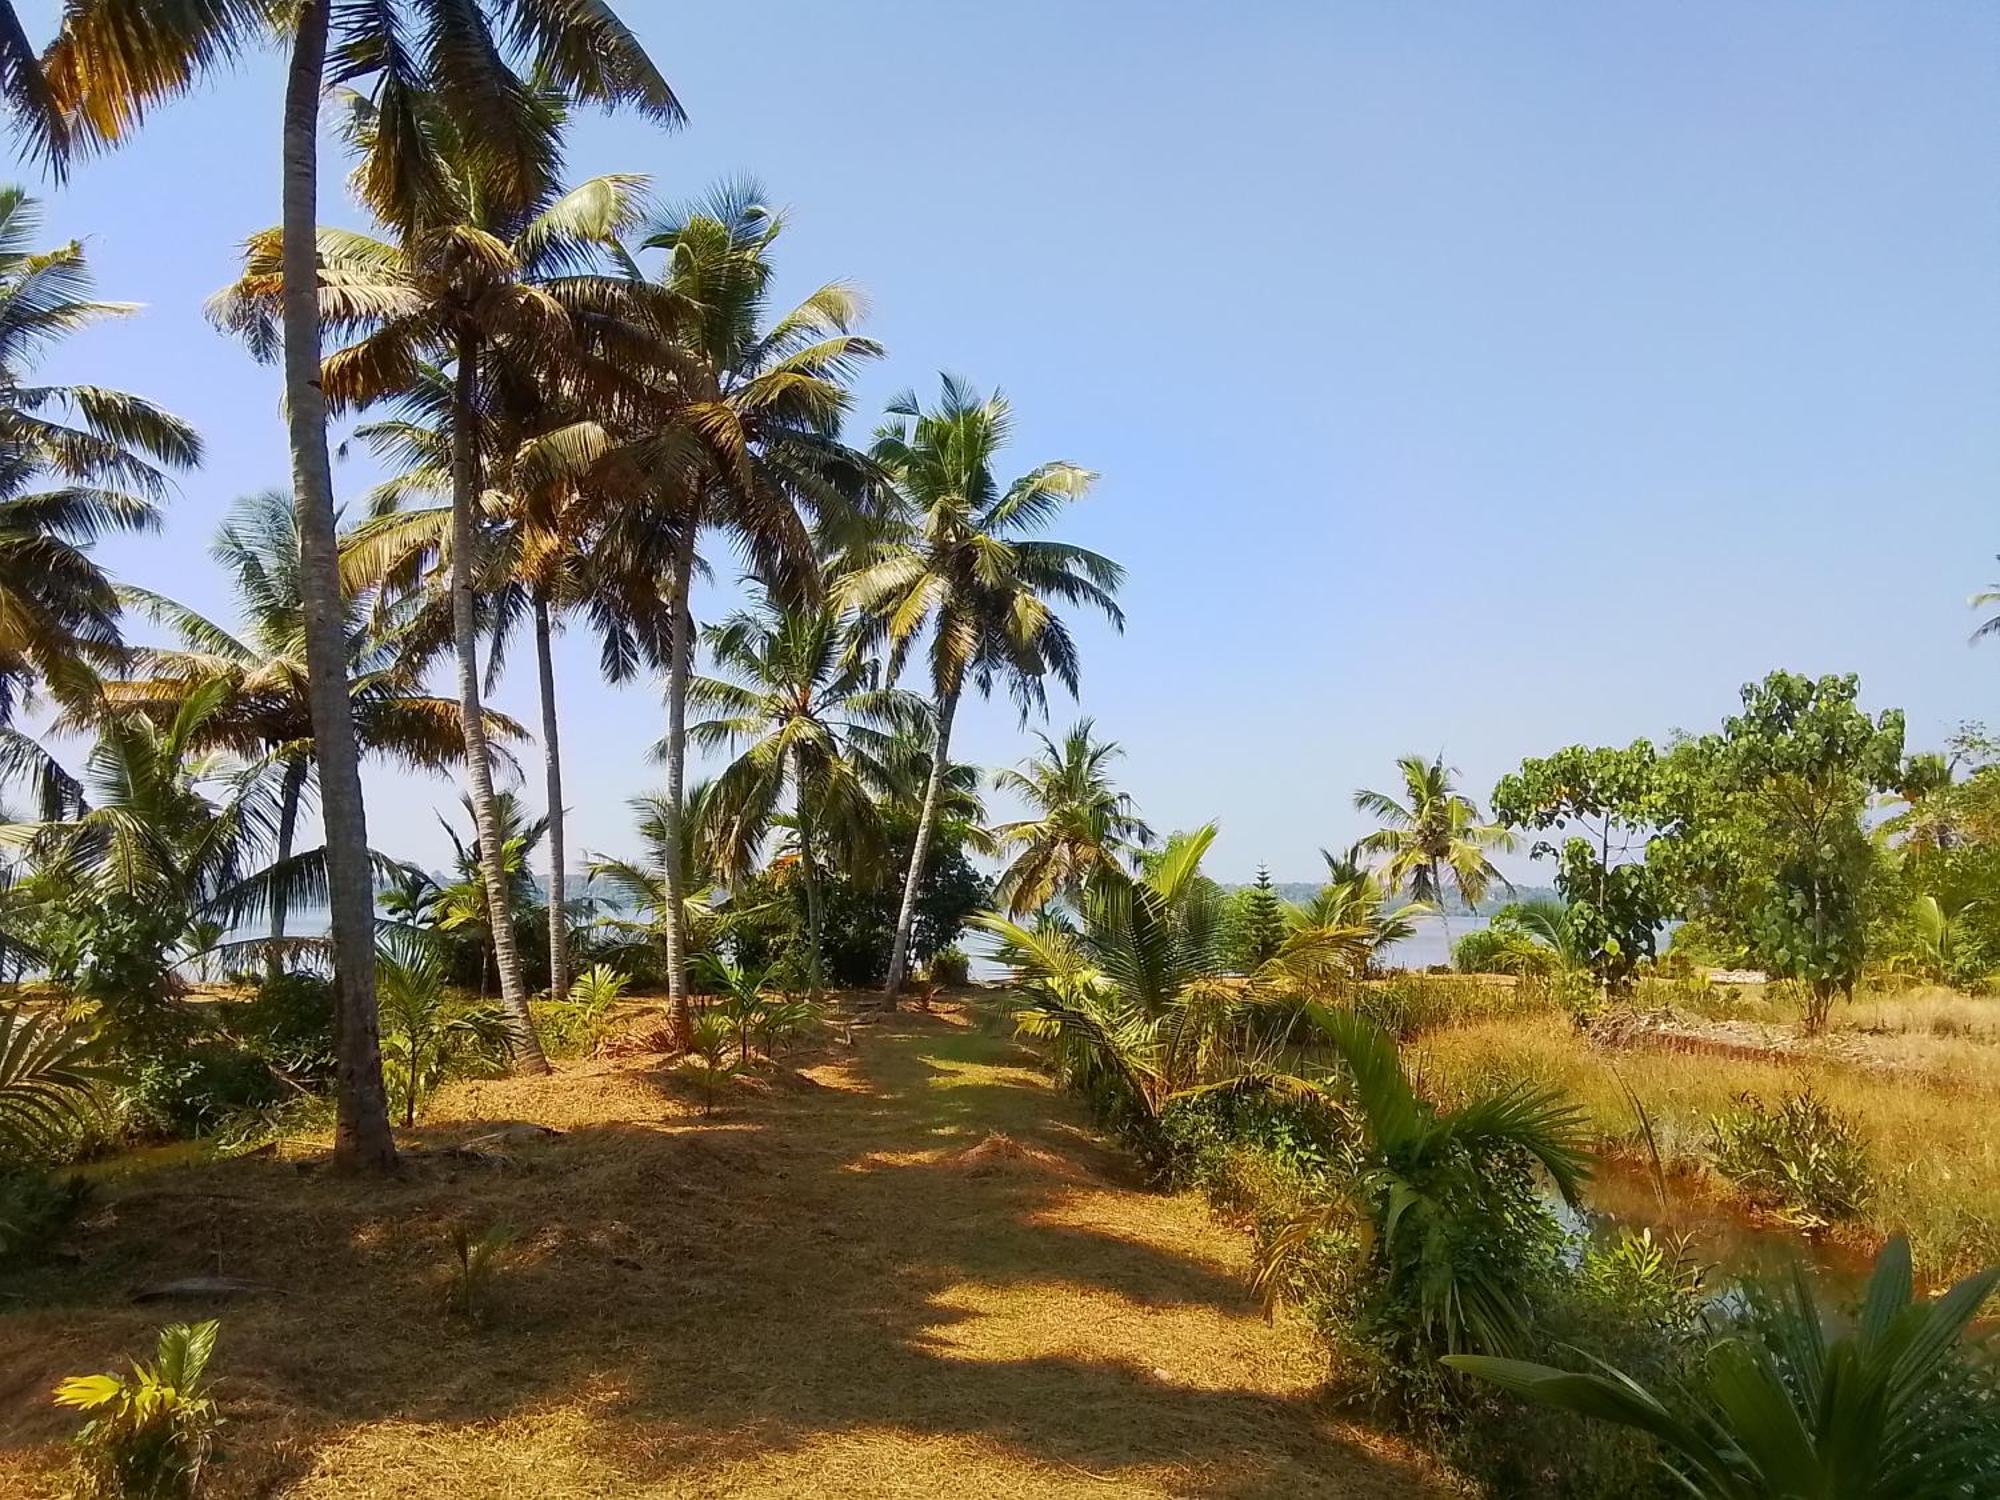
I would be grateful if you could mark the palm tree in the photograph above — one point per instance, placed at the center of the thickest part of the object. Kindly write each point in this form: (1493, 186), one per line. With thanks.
(738, 431)
(170, 847)
(1082, 823)
(1434, 838)
(683, 908)
(112, 61)
(76, 461)
(25, 93)
(266, 710)
(547, 539)
(961, 558)
(799, 697)
(1785, 1407)
(1138, 1001)
(476, 278)
(1356, 896)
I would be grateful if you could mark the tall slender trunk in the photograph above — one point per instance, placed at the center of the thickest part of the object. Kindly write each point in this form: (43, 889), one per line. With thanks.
(362, 1140)
(906, 920)
(809, 878)
(290, 794)
(681, 639)
(552, 760)
(528, 1056)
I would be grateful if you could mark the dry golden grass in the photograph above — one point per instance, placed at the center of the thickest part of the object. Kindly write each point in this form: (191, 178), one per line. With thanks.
(905, 1270)
(1926, 1105)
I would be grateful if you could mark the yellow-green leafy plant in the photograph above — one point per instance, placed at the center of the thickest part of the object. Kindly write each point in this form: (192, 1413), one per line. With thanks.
(1804, 1158)
(475, 1262)
(708, 1060)
(151, 1433)
(426, 1034)
(597, 989)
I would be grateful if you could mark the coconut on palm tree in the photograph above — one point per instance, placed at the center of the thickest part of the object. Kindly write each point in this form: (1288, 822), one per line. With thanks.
(1433, 840)
(1082, 826)
(960, 563)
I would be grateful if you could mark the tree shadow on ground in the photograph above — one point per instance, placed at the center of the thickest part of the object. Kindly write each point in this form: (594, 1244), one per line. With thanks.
(844, 1271)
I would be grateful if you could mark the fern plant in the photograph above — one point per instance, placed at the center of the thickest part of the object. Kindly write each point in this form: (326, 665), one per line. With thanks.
(151, 1433)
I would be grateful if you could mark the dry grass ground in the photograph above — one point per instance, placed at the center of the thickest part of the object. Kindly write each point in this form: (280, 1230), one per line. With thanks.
(903, 1269)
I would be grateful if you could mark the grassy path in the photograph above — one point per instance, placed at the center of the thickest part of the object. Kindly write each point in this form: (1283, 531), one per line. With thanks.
(906, 1270)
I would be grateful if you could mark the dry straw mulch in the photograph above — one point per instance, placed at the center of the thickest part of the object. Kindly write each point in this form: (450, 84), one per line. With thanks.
(902, 1268)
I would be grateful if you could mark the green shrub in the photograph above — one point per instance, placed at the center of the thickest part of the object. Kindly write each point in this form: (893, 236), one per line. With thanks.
(196, 1087)
(152, 1432)
(35, 1207)
(950, 966)
(290, 1022)
(1804, 1159)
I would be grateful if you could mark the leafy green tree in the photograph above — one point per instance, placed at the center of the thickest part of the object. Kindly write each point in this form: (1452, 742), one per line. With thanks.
(1434, 837)
(1761, 830)
(960, 556)
(1894, 1406)
(1603, 798)
(1254, 924)
(1081, 825)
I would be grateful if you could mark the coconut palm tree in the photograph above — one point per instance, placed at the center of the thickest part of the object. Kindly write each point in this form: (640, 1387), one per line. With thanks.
(267, 710)
(1081, 827)
(76, 461)
(799, 705)
(1788, 1405)
(1443, 1234)
(1355, 896)
(1434, 838)
(37, 114)
(476, 280)
(113, 60)
(961, 560)
(171, 847)
(737, 431)
(548, 544)
(685, 908)
(1137, 1000)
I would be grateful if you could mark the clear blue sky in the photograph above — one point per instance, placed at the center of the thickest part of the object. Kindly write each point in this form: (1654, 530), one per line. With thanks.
(1462, 376)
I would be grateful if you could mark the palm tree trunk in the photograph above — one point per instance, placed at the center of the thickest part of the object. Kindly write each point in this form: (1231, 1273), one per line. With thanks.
(362, 1140)
(289, 797)
(528, 1056)
(682, 649)
(552, 758)
(809, 878)
(906, 920)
